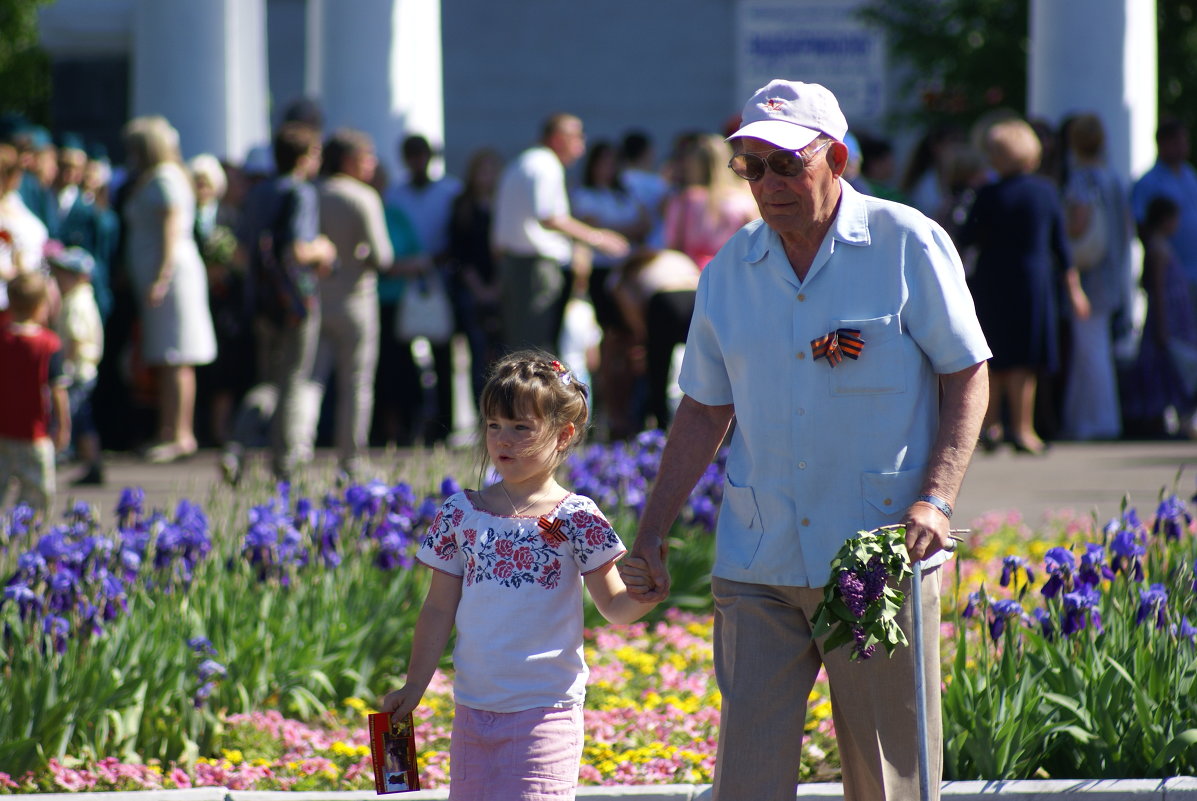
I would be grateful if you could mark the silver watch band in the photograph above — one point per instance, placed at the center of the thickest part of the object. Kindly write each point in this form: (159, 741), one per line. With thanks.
(938, 503)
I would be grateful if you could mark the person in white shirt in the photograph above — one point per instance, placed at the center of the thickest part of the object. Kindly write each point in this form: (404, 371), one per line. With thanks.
(534, 233)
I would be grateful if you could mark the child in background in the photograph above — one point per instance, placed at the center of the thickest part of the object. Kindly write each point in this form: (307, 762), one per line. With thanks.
(82, 335)
(509, 563)
(30, 371)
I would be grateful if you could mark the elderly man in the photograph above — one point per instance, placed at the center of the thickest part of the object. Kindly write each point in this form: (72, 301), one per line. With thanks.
(828, 441)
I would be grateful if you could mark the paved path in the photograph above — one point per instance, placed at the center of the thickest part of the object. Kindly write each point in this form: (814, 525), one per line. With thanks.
(1081, 477)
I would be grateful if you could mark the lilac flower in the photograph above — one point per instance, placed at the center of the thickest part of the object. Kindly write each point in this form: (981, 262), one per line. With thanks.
(1060, 564)
(874, 579)
(1010, 567)
(1172, 518)
(1153, 601)
(861, 650)
(852, 590)
(1080, 608)
(1002, 611)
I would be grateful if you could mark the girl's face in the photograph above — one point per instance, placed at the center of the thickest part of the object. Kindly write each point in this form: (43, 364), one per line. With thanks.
(522, 449)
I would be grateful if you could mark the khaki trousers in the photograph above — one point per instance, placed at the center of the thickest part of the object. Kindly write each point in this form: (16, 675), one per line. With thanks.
(766, 662)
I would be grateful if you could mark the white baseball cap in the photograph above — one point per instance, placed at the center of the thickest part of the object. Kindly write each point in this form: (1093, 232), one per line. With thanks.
(790, 114)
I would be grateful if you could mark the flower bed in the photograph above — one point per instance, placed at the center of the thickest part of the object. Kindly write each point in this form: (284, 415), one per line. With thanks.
(218, 646)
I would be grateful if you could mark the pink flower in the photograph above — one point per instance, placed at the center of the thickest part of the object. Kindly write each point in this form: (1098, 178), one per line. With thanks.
(180, 778)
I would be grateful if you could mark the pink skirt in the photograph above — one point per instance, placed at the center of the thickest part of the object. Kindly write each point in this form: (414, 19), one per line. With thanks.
(532, 755)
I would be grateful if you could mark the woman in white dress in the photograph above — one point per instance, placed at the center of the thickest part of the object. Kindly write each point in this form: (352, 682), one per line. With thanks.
(168, 279)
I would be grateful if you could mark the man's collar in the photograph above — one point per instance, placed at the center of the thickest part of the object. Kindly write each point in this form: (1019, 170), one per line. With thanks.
(850, 226)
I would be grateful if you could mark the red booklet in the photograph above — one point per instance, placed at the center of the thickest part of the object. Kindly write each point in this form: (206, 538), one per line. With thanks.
(393, 747)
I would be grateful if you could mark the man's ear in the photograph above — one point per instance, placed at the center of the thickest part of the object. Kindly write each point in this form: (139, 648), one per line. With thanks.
(837, 158)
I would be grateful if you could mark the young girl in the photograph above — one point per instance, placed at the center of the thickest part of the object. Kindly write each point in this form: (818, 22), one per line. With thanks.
(509, 563)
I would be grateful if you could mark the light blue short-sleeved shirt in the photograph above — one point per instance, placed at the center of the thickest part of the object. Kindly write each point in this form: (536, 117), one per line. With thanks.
(819, 453)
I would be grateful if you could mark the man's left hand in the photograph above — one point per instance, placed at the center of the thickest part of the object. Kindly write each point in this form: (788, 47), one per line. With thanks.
(927, 531)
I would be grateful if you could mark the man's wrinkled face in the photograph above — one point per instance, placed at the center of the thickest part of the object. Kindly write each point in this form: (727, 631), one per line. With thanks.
(792, 205)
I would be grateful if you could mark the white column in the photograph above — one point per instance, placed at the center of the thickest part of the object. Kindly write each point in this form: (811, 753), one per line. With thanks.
(1098, 56)
(202, 65)
(381, 70)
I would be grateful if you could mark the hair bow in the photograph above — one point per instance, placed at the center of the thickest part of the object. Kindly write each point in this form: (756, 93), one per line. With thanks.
(835, 345)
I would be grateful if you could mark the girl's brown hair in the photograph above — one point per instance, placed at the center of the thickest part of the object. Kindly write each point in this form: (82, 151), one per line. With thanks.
(532, 383)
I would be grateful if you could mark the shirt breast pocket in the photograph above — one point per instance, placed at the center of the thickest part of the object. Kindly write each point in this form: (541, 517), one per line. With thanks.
(881, 367)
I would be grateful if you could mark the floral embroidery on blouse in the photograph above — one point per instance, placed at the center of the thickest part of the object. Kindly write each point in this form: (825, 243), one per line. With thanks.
(511, 551)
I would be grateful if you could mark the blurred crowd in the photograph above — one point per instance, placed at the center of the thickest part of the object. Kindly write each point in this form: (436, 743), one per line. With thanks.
(305, 298)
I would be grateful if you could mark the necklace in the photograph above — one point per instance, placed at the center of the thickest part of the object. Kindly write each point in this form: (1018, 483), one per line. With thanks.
(518, 511)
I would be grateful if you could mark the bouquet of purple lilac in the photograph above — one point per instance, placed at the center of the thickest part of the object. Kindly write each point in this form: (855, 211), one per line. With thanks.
(860, 603)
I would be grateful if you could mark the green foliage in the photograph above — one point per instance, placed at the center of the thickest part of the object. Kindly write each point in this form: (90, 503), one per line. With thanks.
(1177, 25)
(24, 67)
(960, 58)
(877, 558)
(1115, 699)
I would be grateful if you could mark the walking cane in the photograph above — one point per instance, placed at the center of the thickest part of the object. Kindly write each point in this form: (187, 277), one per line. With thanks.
(920, 688)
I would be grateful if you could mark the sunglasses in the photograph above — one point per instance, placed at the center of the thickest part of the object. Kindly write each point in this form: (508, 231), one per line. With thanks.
(786, 163)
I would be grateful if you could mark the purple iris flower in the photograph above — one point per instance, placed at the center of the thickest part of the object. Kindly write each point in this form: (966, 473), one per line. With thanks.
(1002, 611)
(19, 520)
(449, 486)
(1045, 622)
(28, 602)
(58, 629)
(970, 608)
(1010, 567)
(209, 668)
(1127, 550)
(1093, 565)
(1060, 564)
(31, 565)
(203, 692)
(1080, 608)
(1171, 518)
(54, 545)
(1186, 629)
(201, 645)
(131, 505)
(1153, 601)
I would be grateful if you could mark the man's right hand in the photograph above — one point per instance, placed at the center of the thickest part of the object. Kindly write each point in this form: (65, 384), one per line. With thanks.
(649, 581)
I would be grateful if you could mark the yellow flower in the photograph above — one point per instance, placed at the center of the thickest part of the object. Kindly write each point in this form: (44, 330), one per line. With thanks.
(358, 705)
(233, 755)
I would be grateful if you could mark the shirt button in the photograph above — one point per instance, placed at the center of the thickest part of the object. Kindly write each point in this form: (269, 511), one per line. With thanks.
(806, 521)
(801, 297)
(802, 465)
(801, 355)
(888, 502)
(801, 412)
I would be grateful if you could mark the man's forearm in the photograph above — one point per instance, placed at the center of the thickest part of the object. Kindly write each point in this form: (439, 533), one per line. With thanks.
(962, 408)
(694, 439)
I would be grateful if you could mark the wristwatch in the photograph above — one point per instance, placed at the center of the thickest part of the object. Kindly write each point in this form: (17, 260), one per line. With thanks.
(938, 503)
